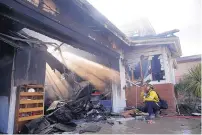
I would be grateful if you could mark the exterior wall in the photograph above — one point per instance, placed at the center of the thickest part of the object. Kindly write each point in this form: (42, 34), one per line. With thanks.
(118, 91)
(165, 91)
(29, 68)
(5, 90)
(122, 100)
(4, 113)
(133, 57)
(183, 68)
(169, 66)
(165, 88)
(5, 79)
(11, 115)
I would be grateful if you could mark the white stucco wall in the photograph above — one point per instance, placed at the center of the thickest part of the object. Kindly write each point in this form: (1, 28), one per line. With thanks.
(122, 100)
(118, 91)
(11, 119)
(133, 57)
(169, 65)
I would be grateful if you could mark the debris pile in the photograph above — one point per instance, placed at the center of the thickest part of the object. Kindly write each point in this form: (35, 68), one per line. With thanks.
(61, 113)
(133, 113)
(188, 110)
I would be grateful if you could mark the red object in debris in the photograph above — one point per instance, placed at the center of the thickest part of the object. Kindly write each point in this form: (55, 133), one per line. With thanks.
(97, 93)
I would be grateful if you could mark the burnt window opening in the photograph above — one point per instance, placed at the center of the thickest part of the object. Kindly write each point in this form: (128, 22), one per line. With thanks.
(145, 69)
(151, 69)
(156, 69)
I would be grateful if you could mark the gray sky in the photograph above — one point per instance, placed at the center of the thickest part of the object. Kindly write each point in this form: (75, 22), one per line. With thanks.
(163, 14)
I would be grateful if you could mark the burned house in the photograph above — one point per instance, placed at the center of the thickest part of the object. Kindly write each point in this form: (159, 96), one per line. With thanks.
(77, 29)
(152, 57)
(59, 45)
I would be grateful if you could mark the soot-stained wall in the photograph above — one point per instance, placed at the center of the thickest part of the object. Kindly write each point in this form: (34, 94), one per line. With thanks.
(5, 87)
(6, 62)
(30, 66)
(5, 79)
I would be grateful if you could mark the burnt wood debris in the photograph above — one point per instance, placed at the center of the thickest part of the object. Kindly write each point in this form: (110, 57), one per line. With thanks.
(61, 113)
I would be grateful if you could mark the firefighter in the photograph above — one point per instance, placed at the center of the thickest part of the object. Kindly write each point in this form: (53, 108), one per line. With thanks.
(151, 100)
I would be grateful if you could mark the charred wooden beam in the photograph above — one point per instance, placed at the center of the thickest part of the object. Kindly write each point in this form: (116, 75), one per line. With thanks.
(41, 22)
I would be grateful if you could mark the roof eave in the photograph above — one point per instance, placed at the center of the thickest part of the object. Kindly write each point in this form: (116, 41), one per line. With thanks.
(105, 23)
(173, 44)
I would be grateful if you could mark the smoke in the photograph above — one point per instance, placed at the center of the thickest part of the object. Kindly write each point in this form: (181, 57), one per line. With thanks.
(93, 72)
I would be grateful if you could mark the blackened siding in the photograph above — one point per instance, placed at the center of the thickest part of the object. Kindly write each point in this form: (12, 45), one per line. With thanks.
(30, 66)
(5, 79)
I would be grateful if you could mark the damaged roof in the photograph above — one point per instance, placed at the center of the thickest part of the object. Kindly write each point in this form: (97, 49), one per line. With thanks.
(78, 23)
(138, 28)
(101, 19)
(69, 21)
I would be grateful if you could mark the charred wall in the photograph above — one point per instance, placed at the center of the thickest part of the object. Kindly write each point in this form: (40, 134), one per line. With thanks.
(6, 62)
(5, 79)
(30, 66)
(6, 58)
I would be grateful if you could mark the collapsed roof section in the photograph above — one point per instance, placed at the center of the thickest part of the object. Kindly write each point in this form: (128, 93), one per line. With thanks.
(138, 28)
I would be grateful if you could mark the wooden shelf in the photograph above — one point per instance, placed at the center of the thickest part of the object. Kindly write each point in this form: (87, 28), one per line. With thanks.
(29, 117)
(30, 101)
(31, 94)
(28, 104)
(21, 110)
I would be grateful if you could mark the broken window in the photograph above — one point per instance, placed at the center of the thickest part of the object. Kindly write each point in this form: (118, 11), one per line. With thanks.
(157, 70)
(152, 69)
(145, 69)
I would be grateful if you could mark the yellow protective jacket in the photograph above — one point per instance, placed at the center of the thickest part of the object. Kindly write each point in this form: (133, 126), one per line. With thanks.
(150, 96)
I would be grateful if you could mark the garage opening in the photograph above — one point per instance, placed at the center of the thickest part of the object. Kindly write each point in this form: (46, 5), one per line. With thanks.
(76, 67)
(63, 70)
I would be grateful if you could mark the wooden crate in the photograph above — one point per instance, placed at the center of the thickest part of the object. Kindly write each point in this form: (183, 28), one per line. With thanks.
(29, 105)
